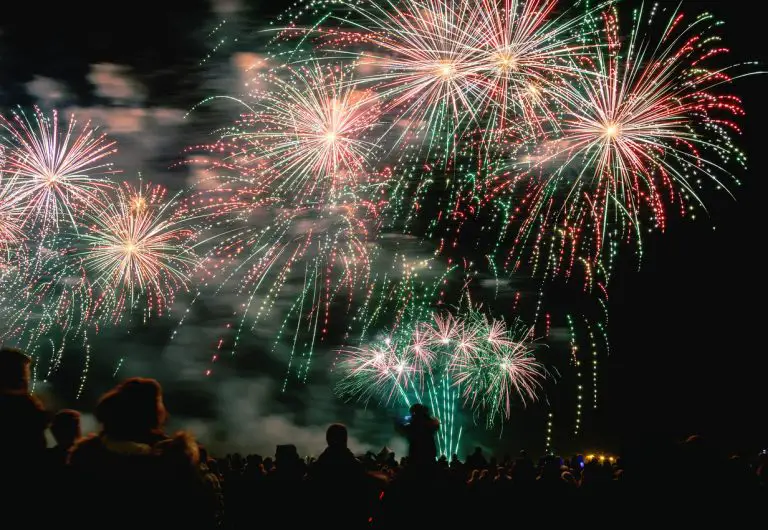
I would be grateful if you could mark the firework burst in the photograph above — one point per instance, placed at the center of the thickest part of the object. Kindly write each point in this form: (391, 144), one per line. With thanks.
(309, 132)
(378, 372)
(498, 369)
(640, 132)
(525, 53)
(139, 247)
(490, 365)
(57, 171)
(422, 63)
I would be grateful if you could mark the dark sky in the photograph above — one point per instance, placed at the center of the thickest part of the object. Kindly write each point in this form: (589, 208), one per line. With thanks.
(686, 330)
(690, 354)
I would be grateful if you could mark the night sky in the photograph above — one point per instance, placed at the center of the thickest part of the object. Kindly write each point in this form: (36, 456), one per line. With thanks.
(688, 355)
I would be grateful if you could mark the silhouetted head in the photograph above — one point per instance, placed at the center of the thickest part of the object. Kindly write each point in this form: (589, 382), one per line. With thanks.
(337, 436)
(286, 453)
(478, 450)
(14, 370)
(65, 427)
(254, 460)
(132, 409)
(419, 411)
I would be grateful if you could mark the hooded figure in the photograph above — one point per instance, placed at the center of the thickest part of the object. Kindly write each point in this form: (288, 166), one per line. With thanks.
(133, 469)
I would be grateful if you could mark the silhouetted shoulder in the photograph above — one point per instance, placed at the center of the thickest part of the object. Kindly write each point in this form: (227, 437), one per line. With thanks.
(23, 403)
(26, 413)
(86, 450)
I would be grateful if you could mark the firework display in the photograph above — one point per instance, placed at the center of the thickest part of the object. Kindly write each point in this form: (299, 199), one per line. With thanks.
(507, 137)
(392, 159)
(80, 251)
(475, 359)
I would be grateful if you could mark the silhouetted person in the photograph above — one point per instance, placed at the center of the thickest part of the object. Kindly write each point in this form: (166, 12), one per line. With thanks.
(340, 488)
(523, 470)
(212, 481)
(420, 430)
(289, 467)
(409, 501)
(383, 455)
(23, 419)
(254, 468)
(337, 463)
(284, 481)
(65, 428)
(477, 460)
(136, 474)
(62, 498)
(391, 461)
(550, 483)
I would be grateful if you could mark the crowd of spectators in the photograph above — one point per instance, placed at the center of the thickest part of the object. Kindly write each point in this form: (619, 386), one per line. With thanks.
(131, 474)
